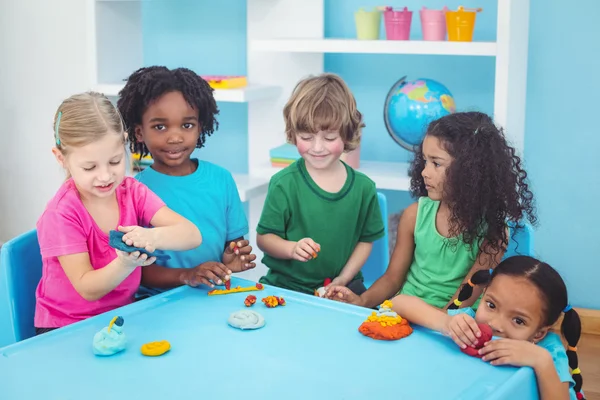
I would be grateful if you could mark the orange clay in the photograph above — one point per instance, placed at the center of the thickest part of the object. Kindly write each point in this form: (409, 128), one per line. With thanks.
(271, 301)
(250, 300)
(154, 349)
(385, 327)
(238, 289)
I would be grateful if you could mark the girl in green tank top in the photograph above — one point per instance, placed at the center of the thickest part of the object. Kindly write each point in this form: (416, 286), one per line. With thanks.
(469, 184)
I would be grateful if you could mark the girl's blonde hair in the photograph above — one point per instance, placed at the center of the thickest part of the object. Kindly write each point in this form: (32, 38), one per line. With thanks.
(322, 103)
(85, 118)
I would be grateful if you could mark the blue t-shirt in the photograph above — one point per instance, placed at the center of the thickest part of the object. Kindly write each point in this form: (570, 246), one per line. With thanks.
(550, 342)
(209, 198)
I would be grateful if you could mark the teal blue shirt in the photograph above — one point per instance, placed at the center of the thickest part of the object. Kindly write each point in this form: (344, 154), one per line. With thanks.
(553, 344)
(209, 198)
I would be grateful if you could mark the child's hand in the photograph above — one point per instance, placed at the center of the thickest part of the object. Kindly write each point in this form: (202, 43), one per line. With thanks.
(135, 259)
(463, 329)
(137, 236)
(519, 353)
(305, 249)
(240, 258)
(342, 294)
(205, 273)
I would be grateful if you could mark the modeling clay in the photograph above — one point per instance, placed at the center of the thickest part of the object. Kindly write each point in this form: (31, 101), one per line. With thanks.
(246, 319)
(154, 349)
(320, 292)
(385, 324)
(115, 240)
(250, 300)
(238, 289)
(486, 336)
(111, 339)
(273, 301)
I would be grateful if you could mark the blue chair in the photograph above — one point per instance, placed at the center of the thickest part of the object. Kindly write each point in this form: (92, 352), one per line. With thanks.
(20, 273)
(379, 258)
(522, 243)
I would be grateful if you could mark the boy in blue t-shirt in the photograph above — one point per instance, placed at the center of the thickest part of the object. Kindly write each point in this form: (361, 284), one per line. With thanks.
(168, 114)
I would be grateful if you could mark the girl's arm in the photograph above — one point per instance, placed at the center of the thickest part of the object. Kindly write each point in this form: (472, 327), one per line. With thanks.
(93, 284)
(521, 353)
(549, 384)
(171, 232)
(484, 261)
(392, 280)
(355, 263)
(417, 311)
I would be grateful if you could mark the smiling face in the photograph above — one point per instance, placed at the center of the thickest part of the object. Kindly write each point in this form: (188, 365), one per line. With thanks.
(437, 162)
(170, 131)
(513, 307)
(97, 168)
(320, 150)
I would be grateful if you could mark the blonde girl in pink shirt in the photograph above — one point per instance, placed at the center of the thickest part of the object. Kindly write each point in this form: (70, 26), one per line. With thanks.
(82, 275)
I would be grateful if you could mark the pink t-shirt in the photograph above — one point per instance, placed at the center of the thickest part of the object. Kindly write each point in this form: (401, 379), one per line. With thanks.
(65, 228)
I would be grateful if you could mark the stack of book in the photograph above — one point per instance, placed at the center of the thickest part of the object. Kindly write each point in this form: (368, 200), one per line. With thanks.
(283, 155)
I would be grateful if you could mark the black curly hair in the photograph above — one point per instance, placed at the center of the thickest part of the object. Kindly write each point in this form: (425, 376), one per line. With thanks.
(486, 187)
(149, 83)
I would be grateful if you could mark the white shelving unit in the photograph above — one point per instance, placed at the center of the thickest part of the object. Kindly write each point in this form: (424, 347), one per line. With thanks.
(285, 44)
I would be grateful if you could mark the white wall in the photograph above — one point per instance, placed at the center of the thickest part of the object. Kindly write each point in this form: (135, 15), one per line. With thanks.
(43, 59)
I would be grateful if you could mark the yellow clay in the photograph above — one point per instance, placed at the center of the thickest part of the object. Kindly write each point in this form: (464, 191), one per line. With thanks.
(154, 349)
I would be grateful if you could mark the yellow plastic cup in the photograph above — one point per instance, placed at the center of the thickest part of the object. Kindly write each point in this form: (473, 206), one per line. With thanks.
(368, 24)
(461, 24)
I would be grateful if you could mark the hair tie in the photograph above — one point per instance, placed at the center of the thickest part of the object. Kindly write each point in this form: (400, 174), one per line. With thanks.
(56, 128)
(457, 302)
(567, 308)
(470, 283)
(576, 371)
(572, 348)
(491, 271)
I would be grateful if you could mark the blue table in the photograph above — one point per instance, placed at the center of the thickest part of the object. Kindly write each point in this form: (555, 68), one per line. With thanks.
(311, 348)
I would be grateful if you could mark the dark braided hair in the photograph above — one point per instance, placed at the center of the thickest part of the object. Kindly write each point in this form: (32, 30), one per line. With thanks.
(554, 292)
(148, 84)
(486, 186)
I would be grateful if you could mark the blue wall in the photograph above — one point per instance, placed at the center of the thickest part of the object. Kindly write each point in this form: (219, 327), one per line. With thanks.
(210, 38)
(562, 141)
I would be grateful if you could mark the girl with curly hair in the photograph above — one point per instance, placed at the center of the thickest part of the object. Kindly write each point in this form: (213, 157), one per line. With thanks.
(470, 186)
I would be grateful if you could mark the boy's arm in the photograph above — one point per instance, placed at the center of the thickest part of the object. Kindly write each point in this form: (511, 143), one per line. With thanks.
(392, 280)
(355, 263)
(275, 246)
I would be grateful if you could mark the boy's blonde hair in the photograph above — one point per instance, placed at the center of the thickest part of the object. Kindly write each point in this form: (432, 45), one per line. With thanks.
(85, 118)
(323, 103)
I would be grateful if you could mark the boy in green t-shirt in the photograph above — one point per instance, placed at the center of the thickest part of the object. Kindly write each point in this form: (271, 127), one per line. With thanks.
(320, 217)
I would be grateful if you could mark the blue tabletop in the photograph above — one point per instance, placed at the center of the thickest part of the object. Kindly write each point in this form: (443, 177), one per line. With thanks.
(309, 348)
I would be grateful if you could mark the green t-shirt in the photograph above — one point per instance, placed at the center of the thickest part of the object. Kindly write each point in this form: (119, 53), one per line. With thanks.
(296, 207)
(439, 264)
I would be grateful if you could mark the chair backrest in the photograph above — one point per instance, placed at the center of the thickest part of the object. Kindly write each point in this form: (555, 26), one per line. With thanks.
(379, 258)
(20, 273)
(522, 242)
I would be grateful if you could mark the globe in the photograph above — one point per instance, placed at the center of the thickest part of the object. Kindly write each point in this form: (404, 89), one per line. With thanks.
(411, 106)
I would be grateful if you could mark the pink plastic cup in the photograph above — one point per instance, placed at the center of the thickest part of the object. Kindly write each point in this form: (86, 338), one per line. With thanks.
(433, 23)
(397, 23)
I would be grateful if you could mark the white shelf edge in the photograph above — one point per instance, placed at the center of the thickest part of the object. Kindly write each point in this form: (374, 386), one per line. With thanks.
(386, 175)
(241, 95)
(375, 47)
(250, 186)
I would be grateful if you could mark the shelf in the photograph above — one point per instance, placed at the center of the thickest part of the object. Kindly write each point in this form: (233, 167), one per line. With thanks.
(241, 95)
(386, 175)
(375, 47)
(249, 187)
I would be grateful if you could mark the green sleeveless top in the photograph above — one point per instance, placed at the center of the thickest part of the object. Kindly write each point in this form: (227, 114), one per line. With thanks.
(439, 264)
